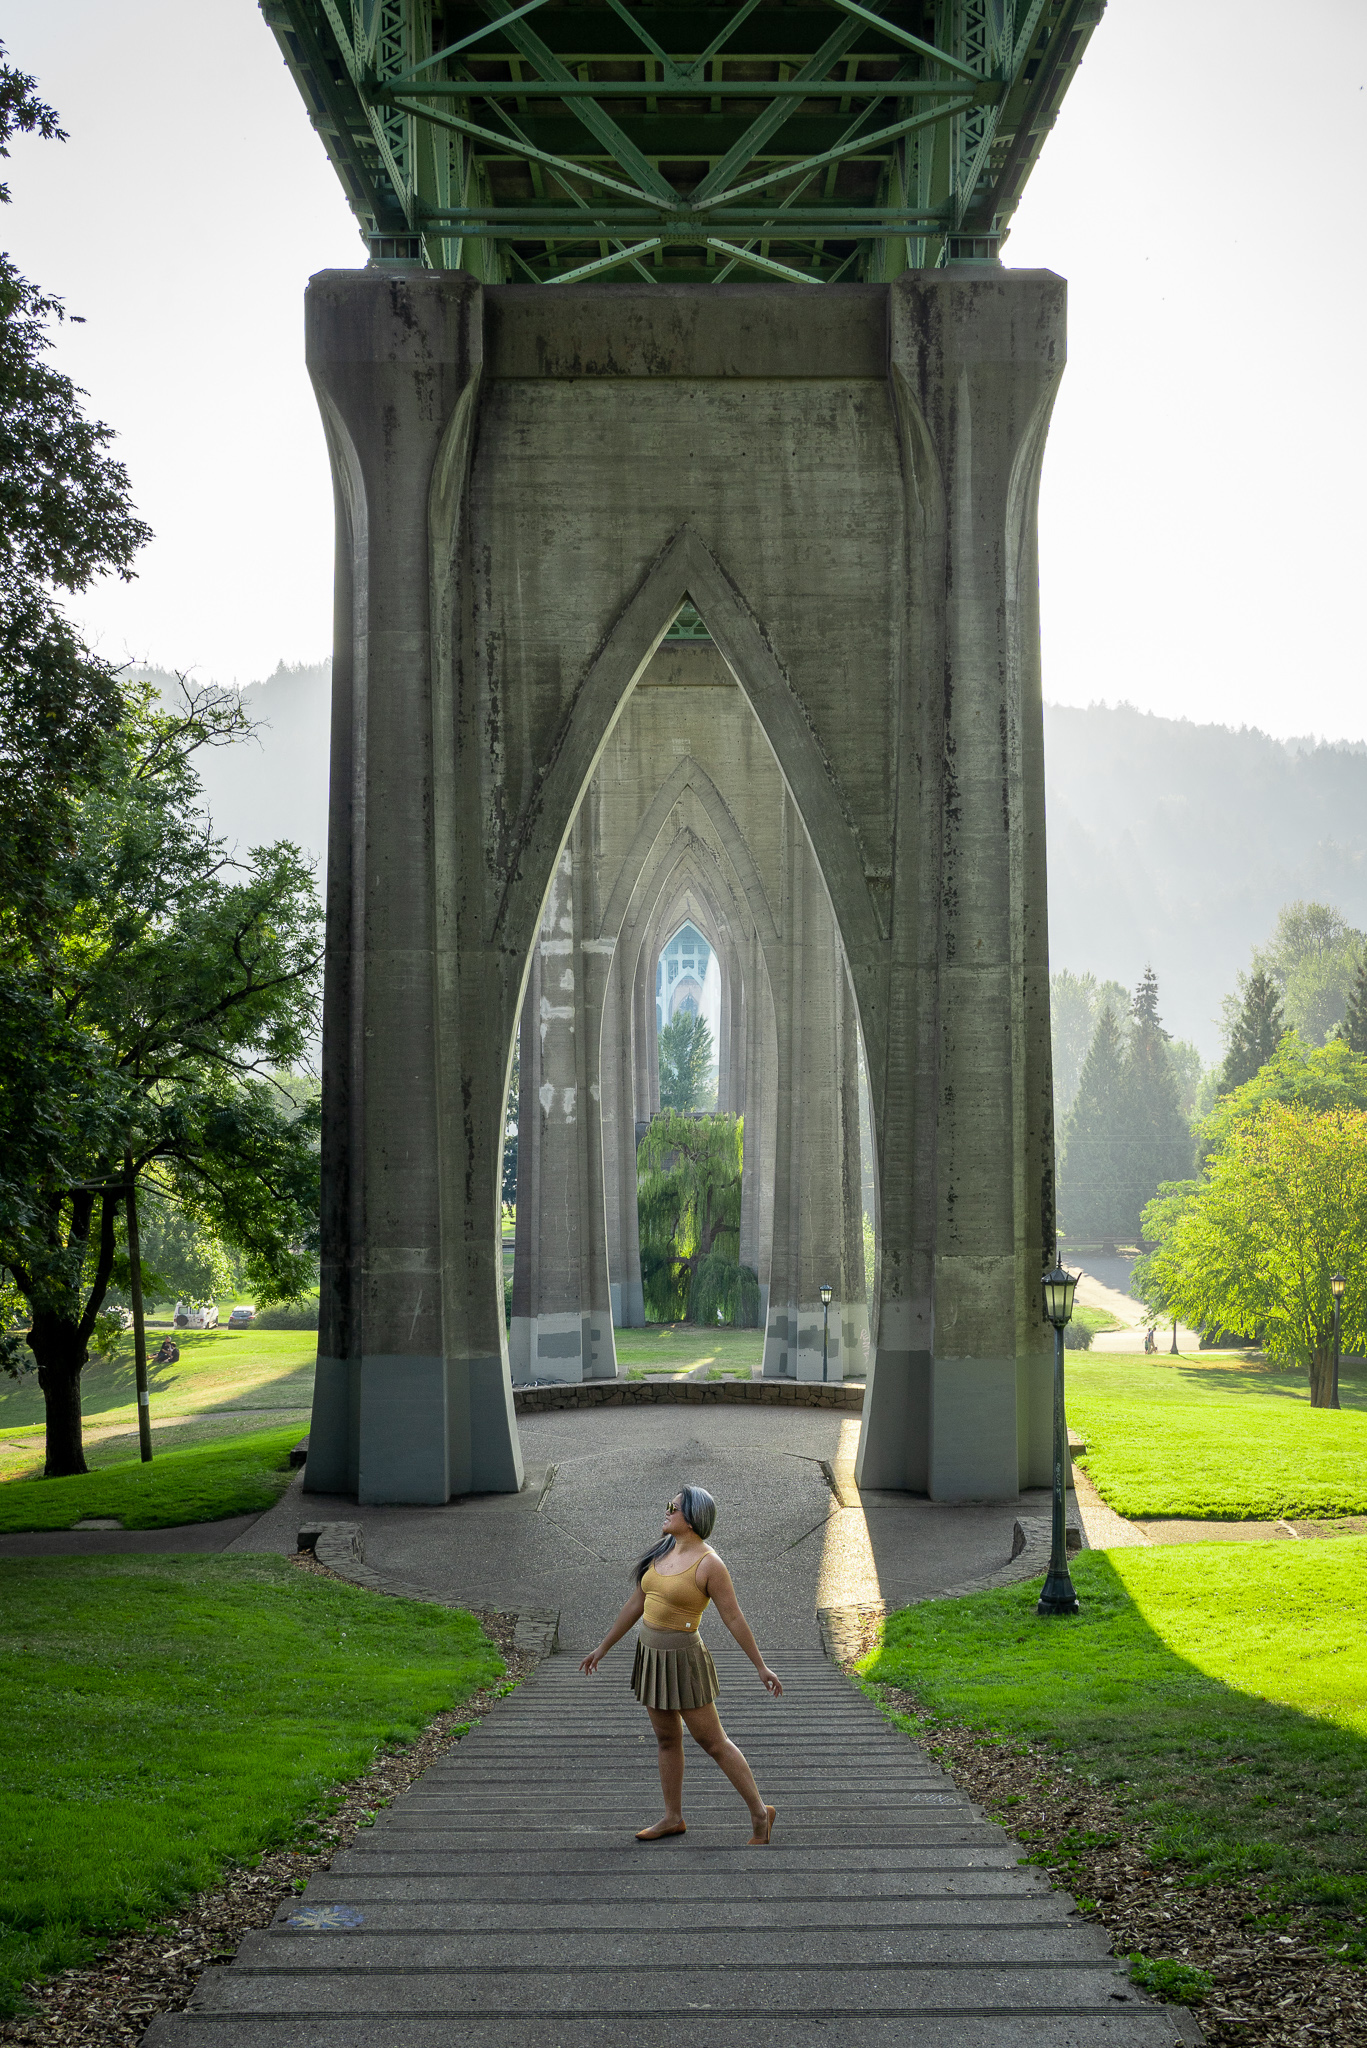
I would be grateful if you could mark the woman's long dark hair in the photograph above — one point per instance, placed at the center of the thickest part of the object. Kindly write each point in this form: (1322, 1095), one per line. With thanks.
(698, 1509)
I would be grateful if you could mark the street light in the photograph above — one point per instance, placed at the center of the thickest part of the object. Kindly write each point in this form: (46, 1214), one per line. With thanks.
(1058, 1596)
(825, 1324)
(1336, 1287)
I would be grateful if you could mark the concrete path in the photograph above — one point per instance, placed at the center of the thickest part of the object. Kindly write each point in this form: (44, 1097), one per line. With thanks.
(503, 1903)
(1105, 1283)
(600, 1479)
(186, 1536)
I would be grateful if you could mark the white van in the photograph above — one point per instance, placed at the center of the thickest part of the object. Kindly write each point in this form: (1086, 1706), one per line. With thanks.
(192, 1316)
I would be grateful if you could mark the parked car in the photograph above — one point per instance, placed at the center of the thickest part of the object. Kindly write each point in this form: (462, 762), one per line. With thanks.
(239, 1317)
(196, 1316)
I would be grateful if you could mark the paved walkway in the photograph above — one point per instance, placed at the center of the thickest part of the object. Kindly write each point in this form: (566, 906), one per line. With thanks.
(502, 1902)
(790, 1522)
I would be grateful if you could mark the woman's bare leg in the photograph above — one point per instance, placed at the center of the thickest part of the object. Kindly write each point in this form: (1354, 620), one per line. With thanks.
(704, 1725)
(669, 1737)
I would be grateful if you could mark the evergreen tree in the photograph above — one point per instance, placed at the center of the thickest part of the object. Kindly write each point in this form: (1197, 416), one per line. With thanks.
(1153, 1138)
(1354, 1032)
(1256, 1031)
(1091, 1194)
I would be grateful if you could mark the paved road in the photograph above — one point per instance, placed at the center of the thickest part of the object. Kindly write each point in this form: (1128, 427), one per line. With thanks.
(503, 1903)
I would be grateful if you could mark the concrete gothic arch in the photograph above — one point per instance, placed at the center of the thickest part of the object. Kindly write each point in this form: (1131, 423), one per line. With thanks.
(528, 484)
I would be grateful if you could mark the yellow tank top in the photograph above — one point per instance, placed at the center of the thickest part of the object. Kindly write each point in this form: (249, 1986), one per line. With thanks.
(673, 1600)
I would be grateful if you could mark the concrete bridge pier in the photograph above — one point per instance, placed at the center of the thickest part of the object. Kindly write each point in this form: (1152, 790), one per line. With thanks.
(817, 1237)
(562, 1306)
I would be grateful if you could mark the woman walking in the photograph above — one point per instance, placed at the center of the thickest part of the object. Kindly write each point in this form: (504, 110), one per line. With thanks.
(674, 1677)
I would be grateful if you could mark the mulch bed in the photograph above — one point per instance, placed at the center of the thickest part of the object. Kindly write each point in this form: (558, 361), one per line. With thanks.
(112, 2002)
(1276, 1987)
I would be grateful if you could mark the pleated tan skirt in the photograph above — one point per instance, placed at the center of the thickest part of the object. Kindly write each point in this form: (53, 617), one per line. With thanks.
(673, 1670)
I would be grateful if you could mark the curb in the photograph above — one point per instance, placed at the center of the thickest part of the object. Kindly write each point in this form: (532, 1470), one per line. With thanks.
(341, 1547)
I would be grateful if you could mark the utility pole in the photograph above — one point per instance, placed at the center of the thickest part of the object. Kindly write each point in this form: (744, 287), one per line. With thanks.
(139, 1327)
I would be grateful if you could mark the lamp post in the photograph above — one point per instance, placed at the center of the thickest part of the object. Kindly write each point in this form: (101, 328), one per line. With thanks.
(1058, 1596)
(1336, 1287)
(1175, 1352)
(825, 1325)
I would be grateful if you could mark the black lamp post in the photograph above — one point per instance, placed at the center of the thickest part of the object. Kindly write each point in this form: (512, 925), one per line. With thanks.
(1058, 1596)
(825, 1324)
(1336, 1287)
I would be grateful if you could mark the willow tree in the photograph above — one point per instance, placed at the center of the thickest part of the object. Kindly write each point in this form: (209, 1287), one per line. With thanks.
(688, 1178)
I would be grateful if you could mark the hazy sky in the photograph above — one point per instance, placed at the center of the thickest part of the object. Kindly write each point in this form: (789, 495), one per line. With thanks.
(1202, 520)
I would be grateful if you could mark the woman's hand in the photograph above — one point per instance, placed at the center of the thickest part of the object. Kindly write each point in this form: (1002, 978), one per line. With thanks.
(592, 1661)
(769, 1680)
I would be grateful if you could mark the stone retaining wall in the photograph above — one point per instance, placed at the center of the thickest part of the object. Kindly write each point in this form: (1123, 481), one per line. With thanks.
(647, 1393)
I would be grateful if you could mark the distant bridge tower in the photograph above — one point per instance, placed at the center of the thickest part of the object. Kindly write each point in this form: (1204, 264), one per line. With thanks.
(688, 319)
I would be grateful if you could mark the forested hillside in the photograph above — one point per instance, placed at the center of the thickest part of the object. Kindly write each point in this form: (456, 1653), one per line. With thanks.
(1170, 845)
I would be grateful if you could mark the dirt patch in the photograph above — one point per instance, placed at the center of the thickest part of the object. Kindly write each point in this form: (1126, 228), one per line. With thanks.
(1273, 1986)
(111, 2002)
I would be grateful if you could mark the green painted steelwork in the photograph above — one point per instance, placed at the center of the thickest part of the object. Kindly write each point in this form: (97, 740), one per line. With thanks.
(807, 140)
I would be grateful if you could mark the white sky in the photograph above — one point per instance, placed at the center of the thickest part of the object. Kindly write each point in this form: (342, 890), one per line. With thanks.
(1202, 521)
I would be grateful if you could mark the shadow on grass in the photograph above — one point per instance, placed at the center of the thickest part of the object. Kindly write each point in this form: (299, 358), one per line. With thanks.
(1150, 1693)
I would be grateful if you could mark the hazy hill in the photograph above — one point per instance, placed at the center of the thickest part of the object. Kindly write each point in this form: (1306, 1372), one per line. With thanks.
(1178, 844)
(1169, 843)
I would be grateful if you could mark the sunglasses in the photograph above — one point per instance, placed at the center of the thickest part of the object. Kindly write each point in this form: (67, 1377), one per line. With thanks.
(672, 1507)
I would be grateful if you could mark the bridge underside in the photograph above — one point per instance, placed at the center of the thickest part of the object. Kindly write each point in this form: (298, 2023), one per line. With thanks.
(838, 491)
(552, 140)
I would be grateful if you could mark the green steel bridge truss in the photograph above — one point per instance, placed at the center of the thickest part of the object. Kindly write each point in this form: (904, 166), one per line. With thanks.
(808, 140)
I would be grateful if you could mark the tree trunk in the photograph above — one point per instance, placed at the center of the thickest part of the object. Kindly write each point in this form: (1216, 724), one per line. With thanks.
(1322, 1376)
(60, 1350)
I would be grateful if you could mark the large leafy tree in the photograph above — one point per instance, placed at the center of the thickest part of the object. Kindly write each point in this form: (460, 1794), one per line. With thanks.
(1355, 1015)
(1281, 1207)
(688, 1193)
(65, 518)
(140, 1033)
(1313, 958)
(1318, 1078)
(685, 1060)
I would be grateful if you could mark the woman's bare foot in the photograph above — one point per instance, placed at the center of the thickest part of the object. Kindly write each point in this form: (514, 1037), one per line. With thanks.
(660, 1830)
(763, 1828)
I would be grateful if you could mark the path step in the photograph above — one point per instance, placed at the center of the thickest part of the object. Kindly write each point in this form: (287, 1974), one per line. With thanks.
(503, 1901)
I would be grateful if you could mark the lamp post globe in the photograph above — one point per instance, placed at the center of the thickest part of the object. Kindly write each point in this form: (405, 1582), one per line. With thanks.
(1337, 1285)
(1058, 1596)
(826, 1291)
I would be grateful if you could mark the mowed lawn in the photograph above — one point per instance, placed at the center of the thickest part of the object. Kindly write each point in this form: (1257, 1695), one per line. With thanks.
(165, 1717)
(241, 1475)
(683, 1347)
(227, 1382)
(1228, 1439)
(1217, 1690)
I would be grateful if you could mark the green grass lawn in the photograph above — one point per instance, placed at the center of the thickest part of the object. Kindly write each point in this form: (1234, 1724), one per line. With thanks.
(679, 1347)
(167, 1716)
(1217, 1690)
(226, 1381)
(244, 1475)
(1232, 1439)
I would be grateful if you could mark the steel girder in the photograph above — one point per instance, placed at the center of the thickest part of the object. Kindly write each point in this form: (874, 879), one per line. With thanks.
(807, 139)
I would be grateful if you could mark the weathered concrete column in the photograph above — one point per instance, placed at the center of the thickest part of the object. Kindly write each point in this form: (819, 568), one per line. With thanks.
(814, 1240)
(412, 1400)
(617, 1068)
(958, 1400)
(562, 1310)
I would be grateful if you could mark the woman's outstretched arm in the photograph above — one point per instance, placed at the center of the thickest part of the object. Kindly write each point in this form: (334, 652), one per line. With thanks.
(628, 1618)
(718, 1583)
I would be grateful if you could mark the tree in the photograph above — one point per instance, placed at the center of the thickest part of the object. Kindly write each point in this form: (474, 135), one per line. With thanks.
(1256, 1029)
(1313, 957)
(1091, 1191)
(1318, 1078)
(1075, 1005)
(1354, 1028)
(1153, 1138)
(1281, 1207)
(142, 1031)
(688, 1194)
(685, 1060)
(65, 518)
